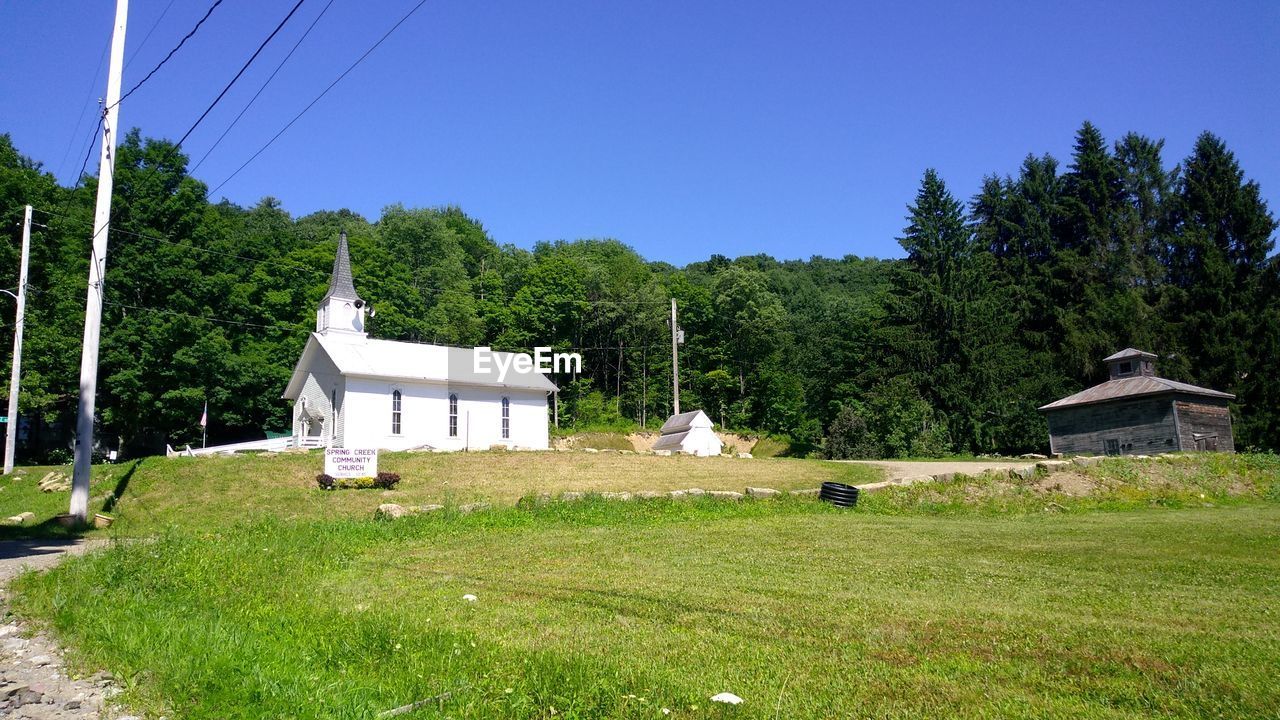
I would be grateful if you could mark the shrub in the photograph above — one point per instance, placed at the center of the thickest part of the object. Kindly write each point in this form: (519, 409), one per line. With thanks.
(326, 482)
(386, 480)
(849, 438)
(360, 483)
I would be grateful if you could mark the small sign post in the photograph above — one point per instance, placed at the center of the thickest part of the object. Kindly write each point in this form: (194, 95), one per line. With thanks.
(350, 462)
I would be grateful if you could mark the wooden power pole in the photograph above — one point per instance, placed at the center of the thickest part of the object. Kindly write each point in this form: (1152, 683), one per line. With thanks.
(98, 271)
(675, 362)
(11, 427)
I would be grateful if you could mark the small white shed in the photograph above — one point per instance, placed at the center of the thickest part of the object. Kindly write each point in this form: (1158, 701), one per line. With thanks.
(689, 433)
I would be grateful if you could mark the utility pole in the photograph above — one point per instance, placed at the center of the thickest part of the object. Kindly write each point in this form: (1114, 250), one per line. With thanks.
(675, 363)
(98, 272)
(11, 429)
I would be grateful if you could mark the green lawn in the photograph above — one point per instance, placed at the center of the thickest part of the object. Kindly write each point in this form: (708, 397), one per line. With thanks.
(147, 496)
(609, 609)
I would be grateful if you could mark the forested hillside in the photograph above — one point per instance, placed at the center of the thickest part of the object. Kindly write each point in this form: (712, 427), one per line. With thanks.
(1000, 305)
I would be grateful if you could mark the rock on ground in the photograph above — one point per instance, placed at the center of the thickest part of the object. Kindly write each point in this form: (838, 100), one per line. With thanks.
(34, 684)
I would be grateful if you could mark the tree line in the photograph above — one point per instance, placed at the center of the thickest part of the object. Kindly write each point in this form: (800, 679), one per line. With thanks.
(1001, 304)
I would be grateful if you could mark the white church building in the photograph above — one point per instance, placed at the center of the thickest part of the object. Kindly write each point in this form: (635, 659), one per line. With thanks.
(350, 390)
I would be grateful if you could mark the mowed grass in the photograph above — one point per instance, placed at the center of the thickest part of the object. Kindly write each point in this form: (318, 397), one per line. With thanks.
(621, 610)
(146, 496)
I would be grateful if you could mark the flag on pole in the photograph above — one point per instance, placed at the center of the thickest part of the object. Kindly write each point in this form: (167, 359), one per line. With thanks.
(204, 416)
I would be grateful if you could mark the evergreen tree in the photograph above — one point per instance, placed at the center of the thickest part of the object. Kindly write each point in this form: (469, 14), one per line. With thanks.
(1223, 285)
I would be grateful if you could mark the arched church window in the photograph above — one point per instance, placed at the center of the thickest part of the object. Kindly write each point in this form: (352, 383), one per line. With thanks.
(395, 412)
(453, 415)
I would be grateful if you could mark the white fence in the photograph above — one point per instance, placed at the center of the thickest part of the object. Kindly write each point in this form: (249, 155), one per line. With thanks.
(272, 444)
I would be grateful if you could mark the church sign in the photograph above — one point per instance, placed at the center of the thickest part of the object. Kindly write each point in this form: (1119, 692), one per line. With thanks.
(350, 462)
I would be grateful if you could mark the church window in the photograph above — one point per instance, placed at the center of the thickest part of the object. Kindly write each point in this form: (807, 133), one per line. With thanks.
(395, 412)
(453, 416)
(506, 419)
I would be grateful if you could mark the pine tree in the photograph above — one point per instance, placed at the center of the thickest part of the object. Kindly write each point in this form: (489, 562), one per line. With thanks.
(1223, 286)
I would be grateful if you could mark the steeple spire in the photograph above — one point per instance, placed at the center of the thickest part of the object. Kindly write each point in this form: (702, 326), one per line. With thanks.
(341, 309)
(342, 285)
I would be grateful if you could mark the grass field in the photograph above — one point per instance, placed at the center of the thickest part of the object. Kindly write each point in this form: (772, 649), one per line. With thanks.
(1153, 596)
(154, 493)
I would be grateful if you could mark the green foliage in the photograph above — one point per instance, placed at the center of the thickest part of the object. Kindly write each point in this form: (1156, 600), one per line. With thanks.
(850, 438)
(1000, 305)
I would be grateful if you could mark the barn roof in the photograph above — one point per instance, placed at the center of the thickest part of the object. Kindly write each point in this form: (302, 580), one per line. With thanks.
(670, 441)
(393, 360)
(683, 422)
(1128, 387)
(1127, 353)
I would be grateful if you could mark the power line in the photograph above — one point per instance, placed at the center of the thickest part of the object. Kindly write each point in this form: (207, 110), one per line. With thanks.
(206, 318)
(89, 150)
(176, 243)
(88, 102)
(264, 87)
(175, 49)
(321, 95)
(237, 77)
(147, 37)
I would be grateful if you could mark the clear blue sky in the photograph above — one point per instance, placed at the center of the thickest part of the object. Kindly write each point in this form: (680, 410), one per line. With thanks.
(683, 129)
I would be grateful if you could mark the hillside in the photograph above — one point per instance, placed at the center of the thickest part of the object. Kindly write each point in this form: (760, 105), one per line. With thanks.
(206, 492)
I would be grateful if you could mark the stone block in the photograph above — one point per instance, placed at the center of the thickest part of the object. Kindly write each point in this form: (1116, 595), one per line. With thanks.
(725, 494)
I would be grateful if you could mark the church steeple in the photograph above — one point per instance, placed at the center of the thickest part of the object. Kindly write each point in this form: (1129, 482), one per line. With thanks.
(341, 309)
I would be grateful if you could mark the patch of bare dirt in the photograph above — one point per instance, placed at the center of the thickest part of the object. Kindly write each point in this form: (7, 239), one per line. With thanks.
(898, 469)
(1073, 484)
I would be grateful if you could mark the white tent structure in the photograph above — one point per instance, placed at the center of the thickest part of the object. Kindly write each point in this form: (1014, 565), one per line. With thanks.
(689, 433)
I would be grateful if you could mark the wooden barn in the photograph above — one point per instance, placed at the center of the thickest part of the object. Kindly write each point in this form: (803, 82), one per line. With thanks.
(1137, 413)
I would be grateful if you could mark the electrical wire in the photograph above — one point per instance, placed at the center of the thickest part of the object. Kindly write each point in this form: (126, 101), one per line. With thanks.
(321, 95)
(134, 56)
(176, 243)
(175, 49)
(261, 89)
(89, 150)
(224, 321)
(243, 68)
(88, 103)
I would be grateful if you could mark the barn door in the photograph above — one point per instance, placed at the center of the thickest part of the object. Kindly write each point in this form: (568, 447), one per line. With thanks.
(1208, 443)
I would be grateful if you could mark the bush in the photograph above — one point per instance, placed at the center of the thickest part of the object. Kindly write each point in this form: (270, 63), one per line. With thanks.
(385, 481)
(849, 438)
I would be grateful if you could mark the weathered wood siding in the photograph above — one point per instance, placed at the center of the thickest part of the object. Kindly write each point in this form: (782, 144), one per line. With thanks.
(1201, 416)
(1141, 426)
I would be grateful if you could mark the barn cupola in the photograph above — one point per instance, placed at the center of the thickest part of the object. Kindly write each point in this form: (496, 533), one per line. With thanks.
(341, 310)
(1131, 363)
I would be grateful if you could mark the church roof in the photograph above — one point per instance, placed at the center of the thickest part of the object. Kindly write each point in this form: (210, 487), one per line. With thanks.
(1127, 387)
(342, 284)
(356, 355)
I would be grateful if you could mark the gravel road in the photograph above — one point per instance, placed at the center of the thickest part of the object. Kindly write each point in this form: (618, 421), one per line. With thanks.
(33, 682)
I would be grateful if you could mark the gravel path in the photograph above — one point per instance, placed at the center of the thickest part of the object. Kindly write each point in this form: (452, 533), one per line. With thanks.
(899, 469)
(33, 683)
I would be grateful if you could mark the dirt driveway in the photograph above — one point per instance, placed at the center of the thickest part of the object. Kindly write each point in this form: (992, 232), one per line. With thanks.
(899, 469)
